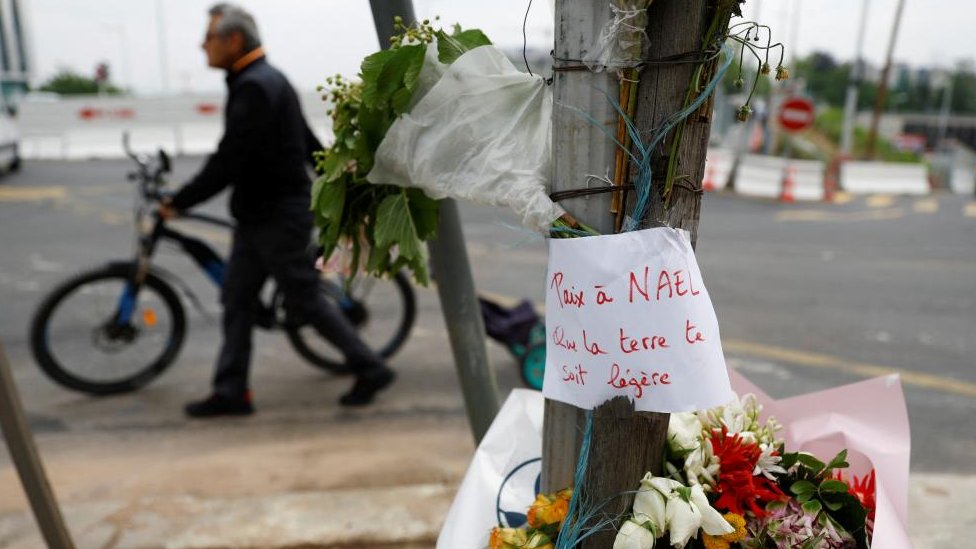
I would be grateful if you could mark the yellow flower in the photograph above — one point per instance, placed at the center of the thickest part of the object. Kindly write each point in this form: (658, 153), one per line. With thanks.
(715, 542)
(506, 538)
(739, 523)
(549, 509)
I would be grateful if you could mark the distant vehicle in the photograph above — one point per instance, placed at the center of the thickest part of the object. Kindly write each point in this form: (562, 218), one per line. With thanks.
(9, 140)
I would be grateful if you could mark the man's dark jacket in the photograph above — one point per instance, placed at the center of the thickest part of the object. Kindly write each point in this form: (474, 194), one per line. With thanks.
(263, 152)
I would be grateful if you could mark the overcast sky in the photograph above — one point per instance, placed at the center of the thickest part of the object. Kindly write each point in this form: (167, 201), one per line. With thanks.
(309, 39)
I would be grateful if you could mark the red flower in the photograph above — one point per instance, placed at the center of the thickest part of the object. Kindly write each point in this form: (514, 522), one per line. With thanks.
(738, 489)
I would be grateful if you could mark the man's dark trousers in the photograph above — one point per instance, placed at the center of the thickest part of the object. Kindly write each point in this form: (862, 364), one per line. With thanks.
(277, 247)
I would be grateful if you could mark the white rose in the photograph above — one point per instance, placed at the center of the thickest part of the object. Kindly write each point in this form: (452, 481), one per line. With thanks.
(684, 432)
(632, 535)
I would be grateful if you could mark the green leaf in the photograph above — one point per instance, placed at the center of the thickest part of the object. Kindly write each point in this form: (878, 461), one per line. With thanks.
(802, 487)
(400, 101)
(452, 46)
(415, 63)
(839, 461)
(370, 71)
(833, 505)
(812, 507)
(832, 485)
(425, 213)
(810, 462)
(394, 225)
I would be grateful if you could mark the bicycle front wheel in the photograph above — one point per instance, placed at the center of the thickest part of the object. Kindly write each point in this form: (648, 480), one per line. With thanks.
(93, 334)
(382, 310)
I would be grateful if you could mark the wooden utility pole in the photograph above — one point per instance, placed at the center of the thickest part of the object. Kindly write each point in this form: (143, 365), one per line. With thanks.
(625, 444)
(879, 101)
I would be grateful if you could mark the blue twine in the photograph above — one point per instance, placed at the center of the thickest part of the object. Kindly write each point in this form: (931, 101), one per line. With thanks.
(571, 531)
(642, 180)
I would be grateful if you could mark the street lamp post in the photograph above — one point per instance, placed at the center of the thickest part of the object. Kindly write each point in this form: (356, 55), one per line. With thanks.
(857, 75)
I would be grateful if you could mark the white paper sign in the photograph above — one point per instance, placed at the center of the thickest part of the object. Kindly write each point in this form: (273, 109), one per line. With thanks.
(628, 314)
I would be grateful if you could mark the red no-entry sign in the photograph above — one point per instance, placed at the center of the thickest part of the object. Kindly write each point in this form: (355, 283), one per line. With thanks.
(796, 114)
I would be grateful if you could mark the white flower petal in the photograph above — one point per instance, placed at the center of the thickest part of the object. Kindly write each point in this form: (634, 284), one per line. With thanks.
(633, 536)
(684, 520)
(650, 503)
(712, 521)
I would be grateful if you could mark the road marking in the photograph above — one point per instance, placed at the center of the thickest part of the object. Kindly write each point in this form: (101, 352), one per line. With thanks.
(842, 197)
(880, 201)
(31, 194)
(840, 217)
(970, 209)
(827, 362)
(926, 205)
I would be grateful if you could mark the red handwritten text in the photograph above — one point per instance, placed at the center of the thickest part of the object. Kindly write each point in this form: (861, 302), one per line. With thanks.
(570, 297)
(602, 297)
(559, 339)
(630, 345)
(689, 328)
(576, 374)
(668, 284)
(638, 381)
(594, 347)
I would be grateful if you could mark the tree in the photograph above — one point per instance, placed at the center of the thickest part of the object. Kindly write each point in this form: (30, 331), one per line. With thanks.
(68, 82)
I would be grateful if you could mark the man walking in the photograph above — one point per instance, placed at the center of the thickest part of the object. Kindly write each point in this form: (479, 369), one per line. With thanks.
(262, 156)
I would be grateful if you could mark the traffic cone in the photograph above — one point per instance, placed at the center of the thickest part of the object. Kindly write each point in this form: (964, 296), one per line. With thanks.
(786, 195)
(708, 184)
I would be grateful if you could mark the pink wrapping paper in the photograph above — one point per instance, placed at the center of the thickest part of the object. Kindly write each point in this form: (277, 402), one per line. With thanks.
(868, 418)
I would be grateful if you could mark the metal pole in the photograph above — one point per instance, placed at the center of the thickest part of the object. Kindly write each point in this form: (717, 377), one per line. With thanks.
(462, 314)
(383, 13)
(883, 85)
(944, 112)
(452, 271)
(857, 75)
(24, 454)
(161, 44)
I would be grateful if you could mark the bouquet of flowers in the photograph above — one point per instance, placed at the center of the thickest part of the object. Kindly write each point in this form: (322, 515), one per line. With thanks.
(728, 482)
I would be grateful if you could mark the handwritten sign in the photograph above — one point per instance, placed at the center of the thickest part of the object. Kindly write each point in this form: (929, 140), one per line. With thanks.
(628, 314)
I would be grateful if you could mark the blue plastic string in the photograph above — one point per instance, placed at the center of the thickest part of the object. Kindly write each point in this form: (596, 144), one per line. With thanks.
(644, 150)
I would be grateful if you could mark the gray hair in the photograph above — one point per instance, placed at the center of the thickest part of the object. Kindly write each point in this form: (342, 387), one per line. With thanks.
(236, 19)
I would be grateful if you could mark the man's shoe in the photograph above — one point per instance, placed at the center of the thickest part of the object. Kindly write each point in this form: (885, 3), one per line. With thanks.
(220, 405)
(366, 386)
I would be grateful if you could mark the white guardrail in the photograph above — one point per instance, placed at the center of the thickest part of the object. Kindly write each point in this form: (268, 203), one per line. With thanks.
(91, 127)
(884, 178)
(782, 178)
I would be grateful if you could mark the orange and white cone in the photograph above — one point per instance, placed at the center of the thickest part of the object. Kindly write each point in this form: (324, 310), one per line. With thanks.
(786, 194)
(708, 183)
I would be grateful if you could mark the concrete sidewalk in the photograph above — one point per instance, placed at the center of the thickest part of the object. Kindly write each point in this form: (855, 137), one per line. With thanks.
(400, 516)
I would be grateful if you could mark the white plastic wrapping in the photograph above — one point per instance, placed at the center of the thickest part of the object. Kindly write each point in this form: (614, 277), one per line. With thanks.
(622, 39)
(502, 479)
(481, 133)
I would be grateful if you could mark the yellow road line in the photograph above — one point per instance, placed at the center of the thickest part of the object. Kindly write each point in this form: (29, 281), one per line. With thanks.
(839, 217)
(880, 201)
(970, 210)
(842, 197)
(31, 194)
(926, 205)
(827, 362)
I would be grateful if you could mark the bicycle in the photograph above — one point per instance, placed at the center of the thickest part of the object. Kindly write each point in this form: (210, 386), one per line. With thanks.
(142, 306)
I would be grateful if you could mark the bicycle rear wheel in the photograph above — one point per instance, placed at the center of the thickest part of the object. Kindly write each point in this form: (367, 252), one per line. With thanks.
(382, 310)
(92, 335)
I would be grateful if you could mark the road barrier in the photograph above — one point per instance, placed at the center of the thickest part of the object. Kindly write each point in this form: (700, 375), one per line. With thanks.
(91, 126)
(718, 168)
(808, 179)
(760, 175)
(884, 178)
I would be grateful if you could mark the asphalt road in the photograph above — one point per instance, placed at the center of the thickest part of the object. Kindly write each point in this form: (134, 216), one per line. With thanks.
(808, 296)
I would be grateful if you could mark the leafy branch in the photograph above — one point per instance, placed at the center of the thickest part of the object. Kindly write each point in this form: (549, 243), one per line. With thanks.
(382, 226)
